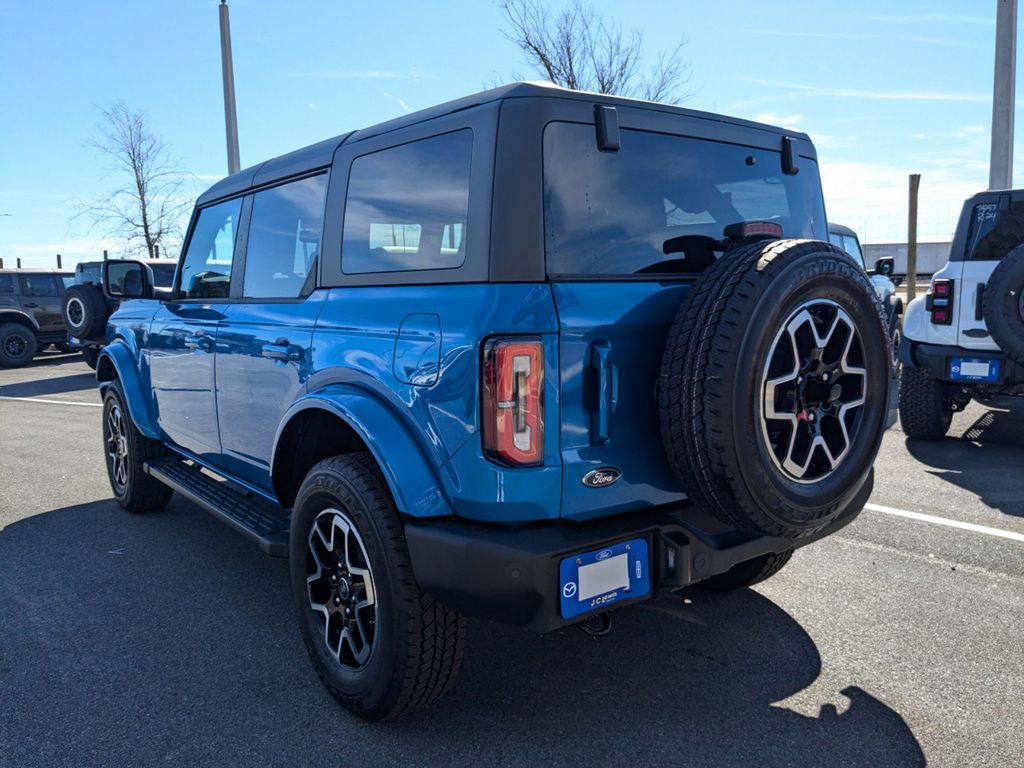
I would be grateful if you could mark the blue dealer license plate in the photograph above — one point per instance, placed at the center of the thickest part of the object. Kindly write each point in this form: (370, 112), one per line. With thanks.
(594, 580)
(970, 369)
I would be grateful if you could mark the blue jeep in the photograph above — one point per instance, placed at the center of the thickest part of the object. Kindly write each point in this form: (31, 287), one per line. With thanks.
(527, 356)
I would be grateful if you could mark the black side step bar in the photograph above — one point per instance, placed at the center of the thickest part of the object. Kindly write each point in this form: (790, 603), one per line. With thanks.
(255, 519)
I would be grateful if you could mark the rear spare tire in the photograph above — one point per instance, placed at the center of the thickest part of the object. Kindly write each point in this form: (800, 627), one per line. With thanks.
(773, 392)
(85, 312)
(1004, 305)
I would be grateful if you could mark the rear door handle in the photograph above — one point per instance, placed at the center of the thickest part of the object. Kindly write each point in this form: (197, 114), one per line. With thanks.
(198, 341)
(282, 350)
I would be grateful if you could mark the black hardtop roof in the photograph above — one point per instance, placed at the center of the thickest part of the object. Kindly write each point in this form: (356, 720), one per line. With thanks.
(319, 155)
(99, 262)
(841, 229)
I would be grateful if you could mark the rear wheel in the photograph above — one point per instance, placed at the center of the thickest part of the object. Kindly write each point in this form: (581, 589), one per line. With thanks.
(749, 573)
(18, 345)
(91, 355)
(126, 451)
(380, 645)
(926, 404)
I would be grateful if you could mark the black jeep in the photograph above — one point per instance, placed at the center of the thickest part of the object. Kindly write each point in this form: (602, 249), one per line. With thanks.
(30, 314)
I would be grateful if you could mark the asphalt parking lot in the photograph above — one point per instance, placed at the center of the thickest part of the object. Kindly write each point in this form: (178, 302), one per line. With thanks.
(137, 640)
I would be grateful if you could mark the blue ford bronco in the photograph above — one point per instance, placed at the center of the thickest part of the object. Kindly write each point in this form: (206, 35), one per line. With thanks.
(527, 356)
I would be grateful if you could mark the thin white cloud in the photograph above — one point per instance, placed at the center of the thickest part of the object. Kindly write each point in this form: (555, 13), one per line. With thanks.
(415, 74)
(964, 132)
(938, 18)
(862, 93)
(774, 118)
(824, 35)
(405, 107)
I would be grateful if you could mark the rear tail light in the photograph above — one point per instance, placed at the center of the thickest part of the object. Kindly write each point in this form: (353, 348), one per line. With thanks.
(939, 302)
(513, 398)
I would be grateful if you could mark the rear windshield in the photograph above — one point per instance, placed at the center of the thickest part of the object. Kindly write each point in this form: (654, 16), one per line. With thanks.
(660, 204)
(993, 233)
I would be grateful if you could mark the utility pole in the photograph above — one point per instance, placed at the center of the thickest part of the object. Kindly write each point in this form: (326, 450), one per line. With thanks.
(915, 183)
(1000, 175)
(230, 117)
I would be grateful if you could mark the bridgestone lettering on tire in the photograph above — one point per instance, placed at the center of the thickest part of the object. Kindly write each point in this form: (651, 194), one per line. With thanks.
(380, 645)
(774, 386)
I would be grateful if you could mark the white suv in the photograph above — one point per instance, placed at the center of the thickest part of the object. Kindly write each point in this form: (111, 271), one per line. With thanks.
(965, 338)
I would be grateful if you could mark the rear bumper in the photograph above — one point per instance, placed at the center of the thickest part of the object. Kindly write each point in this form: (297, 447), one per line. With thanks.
(935, 359)
(511, 574)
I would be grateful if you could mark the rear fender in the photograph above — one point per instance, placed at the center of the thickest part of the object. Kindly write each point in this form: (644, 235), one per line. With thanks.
(415, 488)
(116, 360)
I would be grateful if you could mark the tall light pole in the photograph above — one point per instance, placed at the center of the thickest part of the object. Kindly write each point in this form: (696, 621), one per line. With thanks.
(230, 117)
(1000, 174)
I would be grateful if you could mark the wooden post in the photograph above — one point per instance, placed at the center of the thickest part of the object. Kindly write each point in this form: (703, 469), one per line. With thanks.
(18, 262)
(1, 262)
(915, 183)
(156, 251)
(104, 254)
(59, 265)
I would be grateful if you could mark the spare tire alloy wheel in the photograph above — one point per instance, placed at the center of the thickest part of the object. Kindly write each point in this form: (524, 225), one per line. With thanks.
(340, 587)
(85, 311)
(774, 389)
(1003, 308)
(813, 391)
(76, 313)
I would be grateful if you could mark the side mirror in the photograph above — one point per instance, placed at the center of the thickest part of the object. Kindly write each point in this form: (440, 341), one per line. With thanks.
(885, 266)
(127, 279)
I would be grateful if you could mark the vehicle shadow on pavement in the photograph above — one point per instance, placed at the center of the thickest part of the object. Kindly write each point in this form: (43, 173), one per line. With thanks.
(56, 385)
(167, 638)
(985, 457)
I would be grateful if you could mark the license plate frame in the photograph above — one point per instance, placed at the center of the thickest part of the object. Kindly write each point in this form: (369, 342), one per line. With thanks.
(600, 578)
(970, 369)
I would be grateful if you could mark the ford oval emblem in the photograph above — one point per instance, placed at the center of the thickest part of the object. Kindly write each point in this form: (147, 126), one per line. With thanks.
(599, 478)
(604, 554)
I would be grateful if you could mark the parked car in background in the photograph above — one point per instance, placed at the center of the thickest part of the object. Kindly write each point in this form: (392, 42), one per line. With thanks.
(881, 277)
(85, 309)
(529, 356)
(964, 339)
(30, 301)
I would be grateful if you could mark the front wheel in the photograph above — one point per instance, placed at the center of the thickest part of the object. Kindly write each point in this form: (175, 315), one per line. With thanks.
(18, 345)
(127, 450)
(380, 645)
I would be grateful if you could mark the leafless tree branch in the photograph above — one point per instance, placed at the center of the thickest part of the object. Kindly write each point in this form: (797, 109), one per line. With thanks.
(577, 48)
(146, 207)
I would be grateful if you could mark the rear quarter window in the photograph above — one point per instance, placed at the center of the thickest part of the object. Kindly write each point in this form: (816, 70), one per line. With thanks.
(6, 284)
(662, 199)
(993, 233)
(407, 206)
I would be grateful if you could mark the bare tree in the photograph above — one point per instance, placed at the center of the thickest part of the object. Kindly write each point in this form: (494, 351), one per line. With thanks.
(576, 48)
(146, 207)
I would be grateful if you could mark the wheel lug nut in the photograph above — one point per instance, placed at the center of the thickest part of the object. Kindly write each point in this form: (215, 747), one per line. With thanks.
(337, 601)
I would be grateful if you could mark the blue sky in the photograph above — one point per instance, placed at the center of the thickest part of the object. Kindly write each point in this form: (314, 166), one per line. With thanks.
(884, 89)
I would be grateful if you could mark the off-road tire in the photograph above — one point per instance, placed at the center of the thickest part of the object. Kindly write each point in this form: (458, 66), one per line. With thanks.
(926, 409)
(1003, 308)
(140, 492)
(65, 348)
(749, 573)
(91, 355)
(84, 310)
(709, 393)
(419, 641)
(18, 345)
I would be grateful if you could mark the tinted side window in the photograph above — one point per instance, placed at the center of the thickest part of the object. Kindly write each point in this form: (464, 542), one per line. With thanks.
(994, 233)
(6, 284)
(40, 285)
(284, 238)
(662, 202)
(407, 206)
(206, 267)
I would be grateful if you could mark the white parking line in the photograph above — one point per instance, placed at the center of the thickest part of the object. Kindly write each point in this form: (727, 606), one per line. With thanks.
(51, 402)
(1012, 535)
